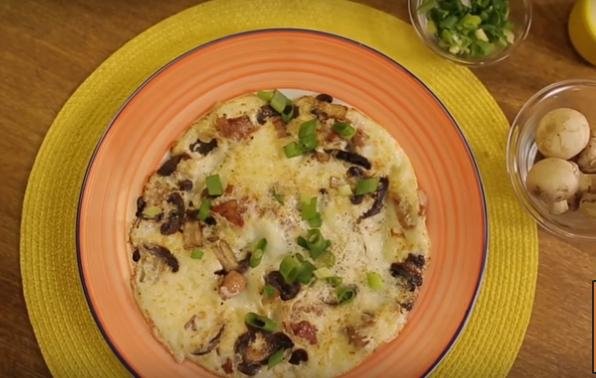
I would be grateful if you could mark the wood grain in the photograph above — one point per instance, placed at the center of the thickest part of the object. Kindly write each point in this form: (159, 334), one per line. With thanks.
(48, 48)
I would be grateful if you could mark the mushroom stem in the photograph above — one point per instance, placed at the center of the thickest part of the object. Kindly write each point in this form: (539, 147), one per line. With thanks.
(587, 183)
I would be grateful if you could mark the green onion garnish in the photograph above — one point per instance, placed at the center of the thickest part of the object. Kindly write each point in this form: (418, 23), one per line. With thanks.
(308, 211)
(279, 101)
(269, 291)
(205, 209)
(345, 293)
(374, 280)
(197, 254)
(214, 186)
(265, 95)
(306, 273)
(294, 268)
(327, 259)
(307, 135)
(344, 130)
(293, 149)
(257, 253)
(290, 268)
(288, 113)
(275, 358)
(260, 322)
(367, 185)
(314, 243)
(151, 211)
(334, 281)
(475, 28)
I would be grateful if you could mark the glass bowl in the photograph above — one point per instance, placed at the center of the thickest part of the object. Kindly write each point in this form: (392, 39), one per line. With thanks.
(522, 152)
(520, 15)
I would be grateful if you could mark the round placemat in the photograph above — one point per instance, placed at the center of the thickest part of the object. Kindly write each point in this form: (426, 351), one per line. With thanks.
(69, 339)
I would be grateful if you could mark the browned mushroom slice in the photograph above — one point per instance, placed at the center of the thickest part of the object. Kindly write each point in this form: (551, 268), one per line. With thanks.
(255, 347)
(203, 148)
(286, 291)
(350, 157)
(164, 254)
(211, 344)
(171, 164)
(333, 110)
(225, 255)
(298, 356)
(409, 270)
(233, 284)
(379, 199)
(192, 235)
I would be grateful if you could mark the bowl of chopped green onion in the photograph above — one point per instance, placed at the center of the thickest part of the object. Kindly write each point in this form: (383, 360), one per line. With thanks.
(472, 32)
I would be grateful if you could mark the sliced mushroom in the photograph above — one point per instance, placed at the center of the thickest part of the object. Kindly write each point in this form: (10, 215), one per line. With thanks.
(332, 110)
(192, 235)
(298, 356)
(164, 254)
(255, 348)
(203, 147)
(170, 165)
(380, 195)
(226, 256)
(211, 344)
(233, 284)
(286, 291)
(409, 270)
(350, 157)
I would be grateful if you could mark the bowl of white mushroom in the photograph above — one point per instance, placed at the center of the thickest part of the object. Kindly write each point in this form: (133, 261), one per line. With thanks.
(551, 158)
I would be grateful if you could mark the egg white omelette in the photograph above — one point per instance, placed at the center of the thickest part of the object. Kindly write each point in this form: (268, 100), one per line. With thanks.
(279, 238)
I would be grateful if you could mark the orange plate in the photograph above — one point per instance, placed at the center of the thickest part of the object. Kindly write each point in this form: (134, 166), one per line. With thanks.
(164, 107)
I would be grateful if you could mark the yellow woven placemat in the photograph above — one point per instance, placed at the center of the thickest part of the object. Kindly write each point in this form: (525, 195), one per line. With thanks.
(70, 340)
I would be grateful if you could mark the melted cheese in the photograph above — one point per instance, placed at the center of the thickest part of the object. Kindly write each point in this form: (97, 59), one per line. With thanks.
(185, 307)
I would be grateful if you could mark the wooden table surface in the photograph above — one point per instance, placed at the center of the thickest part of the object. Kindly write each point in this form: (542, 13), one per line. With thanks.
(47, 48)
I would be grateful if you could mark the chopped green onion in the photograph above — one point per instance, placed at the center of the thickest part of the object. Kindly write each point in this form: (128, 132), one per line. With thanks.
(307, 135)
(374, 280)
(275, 358)
(197, 254)
(308, 211)
(269, 291)
(327, 259)
(288, 113)
(205, 209)
(214, 186)
(306, 273)
(290, 268)
(367, 185)
(260, 322)
(279, 101)
(257, 253)
(294, 268)
(474, 28)
(314, 243)
(345, 293)
(344, 130)
(293, 149)
(323, 273)
(334, 281)
(151, 211)
(265, 95)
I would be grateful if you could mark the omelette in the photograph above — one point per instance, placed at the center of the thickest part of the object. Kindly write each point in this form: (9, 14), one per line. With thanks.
(279, 237)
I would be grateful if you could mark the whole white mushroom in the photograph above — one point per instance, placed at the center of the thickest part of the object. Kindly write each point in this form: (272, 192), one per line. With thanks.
(556, 181)
(562, 133)
(587, 158)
